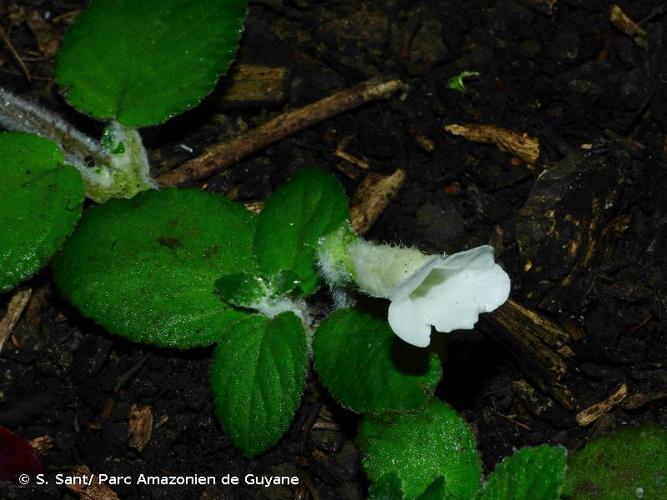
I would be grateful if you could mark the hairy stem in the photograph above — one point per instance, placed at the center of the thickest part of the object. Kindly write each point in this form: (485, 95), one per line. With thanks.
(21, 115)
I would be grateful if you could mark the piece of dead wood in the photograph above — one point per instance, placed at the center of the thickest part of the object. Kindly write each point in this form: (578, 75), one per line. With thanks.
(342, 153)
(93, 491)
(518, 144)
(252, 85)
(140, 426)
(226, 154)
(8, 43)
(539, 346)
(592, 413)
(372, 197)
(45, 34)
(41, 444)
(15, 308)
(621, 20)
(545, 7)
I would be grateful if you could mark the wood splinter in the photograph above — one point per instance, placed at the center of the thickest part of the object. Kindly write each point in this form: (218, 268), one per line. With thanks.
(17, 305)
(224, 155)
(372, 197)
(592, 413)
(621, 20)
(521, 145)
(92, 491)
(41, 444)
(140, 426)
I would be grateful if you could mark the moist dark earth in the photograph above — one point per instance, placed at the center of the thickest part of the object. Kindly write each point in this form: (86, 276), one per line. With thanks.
(585, 243)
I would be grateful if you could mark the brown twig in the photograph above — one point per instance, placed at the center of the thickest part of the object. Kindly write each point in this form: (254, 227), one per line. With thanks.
(372, 197)
(226, 154)
(15, 53)
(16, 306)
(592, 413)
(624, 23)
(519, 144)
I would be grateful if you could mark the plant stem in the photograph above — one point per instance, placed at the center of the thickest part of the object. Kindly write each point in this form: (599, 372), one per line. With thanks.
(21, 115)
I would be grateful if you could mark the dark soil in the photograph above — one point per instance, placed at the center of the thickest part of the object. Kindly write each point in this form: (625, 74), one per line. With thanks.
(571, 79)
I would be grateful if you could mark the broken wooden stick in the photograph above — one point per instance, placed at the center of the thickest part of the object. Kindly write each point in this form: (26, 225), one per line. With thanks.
(17, 305)
(621, 20)
(592, 413)
(518, 144)
(140, 426)
(539, 346)
(226, 154)
(372, 197)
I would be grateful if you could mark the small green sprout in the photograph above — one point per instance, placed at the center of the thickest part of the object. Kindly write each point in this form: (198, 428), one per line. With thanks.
(457, 83)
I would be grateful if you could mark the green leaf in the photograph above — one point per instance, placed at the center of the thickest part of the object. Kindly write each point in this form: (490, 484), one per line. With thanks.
(530, 474)
(437, 491)
(258, 375)
(242, 289)
(301, 211)
(40, 203)
(420, 448)
(368, 368)
(630, 463)
(141, 62)
(247, 289)
(388, 487)
(146, 268)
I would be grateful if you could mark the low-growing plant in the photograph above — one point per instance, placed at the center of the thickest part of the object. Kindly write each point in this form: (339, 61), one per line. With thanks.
(183, 268)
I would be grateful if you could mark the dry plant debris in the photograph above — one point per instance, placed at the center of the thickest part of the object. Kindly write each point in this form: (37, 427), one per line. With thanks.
(94, 491)
(140, 426)
(592, 413)
(226, 154)
(372, 197)
(521, 145)
(17, 305)
(621, 20)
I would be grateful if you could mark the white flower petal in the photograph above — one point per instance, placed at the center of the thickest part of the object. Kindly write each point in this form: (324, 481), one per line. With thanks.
(412, 282)
(478, 258)
(448, 293)
(456, 301)
(407, 321)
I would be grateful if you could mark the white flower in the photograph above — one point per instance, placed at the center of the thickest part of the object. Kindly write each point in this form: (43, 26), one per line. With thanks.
(448, 293)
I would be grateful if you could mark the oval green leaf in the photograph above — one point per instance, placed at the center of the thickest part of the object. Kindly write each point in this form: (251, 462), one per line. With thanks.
(257, 376)
(421, 448)
(146, 268)
(529, 474)
(141, 62)
(301, 211)
(368, 368)
(40, 203)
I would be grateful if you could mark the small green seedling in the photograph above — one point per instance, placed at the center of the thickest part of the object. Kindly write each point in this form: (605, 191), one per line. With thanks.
(456, 82)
